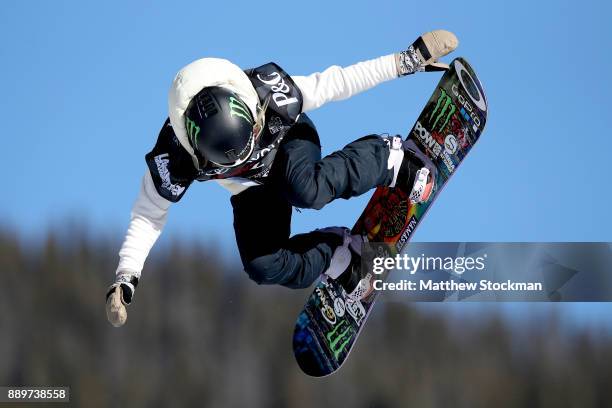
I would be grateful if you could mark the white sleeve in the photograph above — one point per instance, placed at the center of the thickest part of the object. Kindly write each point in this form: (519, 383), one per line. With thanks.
(337, 83)
(149, 215)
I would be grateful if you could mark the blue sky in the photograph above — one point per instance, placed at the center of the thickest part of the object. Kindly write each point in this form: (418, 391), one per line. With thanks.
(84, 88)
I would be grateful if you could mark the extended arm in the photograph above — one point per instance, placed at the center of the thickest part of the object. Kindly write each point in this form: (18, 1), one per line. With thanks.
(148, 218)
(337, 83)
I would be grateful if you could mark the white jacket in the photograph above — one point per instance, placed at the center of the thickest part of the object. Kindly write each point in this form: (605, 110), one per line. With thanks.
(150, 210)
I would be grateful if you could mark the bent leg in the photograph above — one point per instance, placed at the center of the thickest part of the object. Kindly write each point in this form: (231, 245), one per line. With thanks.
(311, 182)
(262, 218)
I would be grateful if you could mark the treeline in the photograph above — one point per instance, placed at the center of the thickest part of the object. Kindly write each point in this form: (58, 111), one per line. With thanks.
(199, 334)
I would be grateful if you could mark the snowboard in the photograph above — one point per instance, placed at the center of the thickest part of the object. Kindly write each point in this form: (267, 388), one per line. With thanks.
(445, 131)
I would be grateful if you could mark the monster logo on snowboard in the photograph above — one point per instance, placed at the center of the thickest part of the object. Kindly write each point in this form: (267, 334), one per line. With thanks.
(445, 131)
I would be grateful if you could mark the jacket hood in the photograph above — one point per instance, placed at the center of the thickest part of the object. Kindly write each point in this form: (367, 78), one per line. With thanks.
(199, 74)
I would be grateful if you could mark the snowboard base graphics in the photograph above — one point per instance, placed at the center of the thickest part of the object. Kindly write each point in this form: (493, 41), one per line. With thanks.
(445, 131)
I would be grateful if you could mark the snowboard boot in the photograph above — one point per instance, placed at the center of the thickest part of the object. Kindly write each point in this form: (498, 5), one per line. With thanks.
(411, 170)
(345, 265)
(423, 54)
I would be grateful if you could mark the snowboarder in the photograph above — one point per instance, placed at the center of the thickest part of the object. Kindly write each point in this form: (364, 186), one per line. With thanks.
(248, 131)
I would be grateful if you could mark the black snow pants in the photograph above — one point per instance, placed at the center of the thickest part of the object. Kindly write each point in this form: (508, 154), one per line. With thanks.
(300, 178)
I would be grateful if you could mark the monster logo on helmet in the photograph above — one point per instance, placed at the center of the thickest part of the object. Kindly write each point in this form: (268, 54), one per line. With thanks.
(238, 108)
(192, 131)
(220, 127)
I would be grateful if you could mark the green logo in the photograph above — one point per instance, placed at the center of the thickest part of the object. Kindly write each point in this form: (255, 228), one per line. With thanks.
(238, 108)
(192, 131)
(444, 109)
(340, 337)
